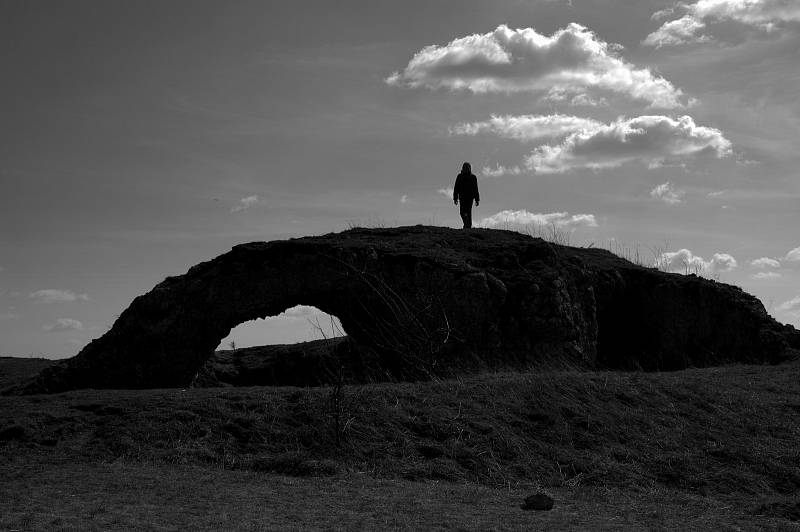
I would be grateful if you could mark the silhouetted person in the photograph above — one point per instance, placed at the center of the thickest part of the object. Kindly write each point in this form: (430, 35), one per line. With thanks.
(465, 191)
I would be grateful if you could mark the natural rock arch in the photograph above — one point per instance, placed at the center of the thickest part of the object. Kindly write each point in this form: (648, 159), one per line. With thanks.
(421, 300)
(298, 324)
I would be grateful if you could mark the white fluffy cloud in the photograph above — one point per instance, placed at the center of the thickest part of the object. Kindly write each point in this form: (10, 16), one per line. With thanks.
(447, 192)
(559, 219)
(652, 140)
(56, 295)
(765, 262)
(792, 306)
(684, 261)
(793, 255)
(500, 170)
(573, 97)
(692, 27)
(570, 61)
(760, 276)
(63, 324)
(585, 143)
(245, 203)
(666, 192)
(527, 128)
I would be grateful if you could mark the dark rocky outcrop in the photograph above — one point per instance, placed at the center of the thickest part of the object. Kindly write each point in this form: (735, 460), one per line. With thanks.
(313, 363)
(421, 301)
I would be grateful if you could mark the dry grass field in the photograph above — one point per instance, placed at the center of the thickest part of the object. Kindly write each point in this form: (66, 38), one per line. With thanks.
(689, 450)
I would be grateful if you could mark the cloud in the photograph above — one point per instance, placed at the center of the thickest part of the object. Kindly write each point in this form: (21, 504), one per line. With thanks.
(765, 262)
(573, 98)
(667, 193)
(793, 255)
(8, 316)
(245, 203)
(447, 192)
(693, 26)
(674, 32)
(301, 311)
(527, 128)
(664, 13)
(792, 306)
(571, 60)
(63, 324)
(404, 198)
(652, 140)
(523, 217)
(684, 261)
(500, 170)
(56, 295)
(760, 276)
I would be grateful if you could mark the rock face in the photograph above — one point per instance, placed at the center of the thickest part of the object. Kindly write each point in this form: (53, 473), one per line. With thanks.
(422, 301)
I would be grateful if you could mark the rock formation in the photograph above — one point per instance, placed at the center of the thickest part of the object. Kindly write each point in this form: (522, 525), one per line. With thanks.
(422, 301)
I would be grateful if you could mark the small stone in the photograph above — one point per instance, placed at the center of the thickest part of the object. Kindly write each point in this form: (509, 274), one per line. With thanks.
(538, 501)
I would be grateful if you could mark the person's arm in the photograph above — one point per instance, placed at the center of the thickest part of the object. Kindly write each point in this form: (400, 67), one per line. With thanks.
(477, 194)
(455, 190)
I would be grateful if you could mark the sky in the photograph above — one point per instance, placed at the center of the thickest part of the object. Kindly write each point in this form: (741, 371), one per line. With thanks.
(140, 138)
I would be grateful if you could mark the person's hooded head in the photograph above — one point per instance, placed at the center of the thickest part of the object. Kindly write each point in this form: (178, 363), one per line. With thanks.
(466, 168)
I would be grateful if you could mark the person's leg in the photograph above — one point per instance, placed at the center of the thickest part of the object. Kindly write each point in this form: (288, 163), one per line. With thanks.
(466, 215)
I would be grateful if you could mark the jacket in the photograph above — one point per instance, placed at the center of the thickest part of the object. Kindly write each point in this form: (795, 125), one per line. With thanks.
(466, 188)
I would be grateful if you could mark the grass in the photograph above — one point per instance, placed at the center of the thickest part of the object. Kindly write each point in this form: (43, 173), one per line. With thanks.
(14, 370)
(689, 449)
(653, 257)
(125, 496)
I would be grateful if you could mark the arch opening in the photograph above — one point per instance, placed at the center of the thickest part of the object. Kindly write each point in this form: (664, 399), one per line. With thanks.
(301, 346)
(298, 324)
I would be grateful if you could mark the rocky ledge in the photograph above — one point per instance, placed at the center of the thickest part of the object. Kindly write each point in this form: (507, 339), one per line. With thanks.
(420, 301)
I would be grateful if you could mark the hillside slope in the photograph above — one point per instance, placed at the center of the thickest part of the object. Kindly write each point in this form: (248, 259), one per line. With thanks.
(422, 302)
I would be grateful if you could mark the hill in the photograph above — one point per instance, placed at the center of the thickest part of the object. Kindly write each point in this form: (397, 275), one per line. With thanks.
(431, 302)
(17, 370)
(479, 366)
